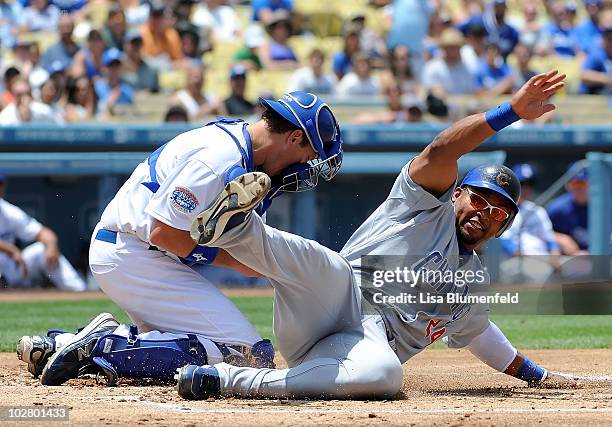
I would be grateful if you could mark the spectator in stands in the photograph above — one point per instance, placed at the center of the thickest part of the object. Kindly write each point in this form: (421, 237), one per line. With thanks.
(263, 10)
(196, 39)
(183, 12)
(190, 43)
(161, 42)
(111, 90)
(66, 48)
(248, 55)
(236, 104)
(523, 70)
(498, 29)
(588, 32)
(40, 15)
(219, 18)
(82, 100)
(473, 51)
(531, 233)
(11, 74)
(449, 74)
(312, 78)
(136, 71)
(410, 110)
(342, 62)
(409, 26)
(88, 61)
(176, 114)
(399, 73)
(596, 74)
(57, 72)
(276, 54)
(193, 99)
(21, 56)
(569, 214)
(113, 32)
(413, 108)
(494, 76)
(438, 23)
(24, 109)
(558, 36)
(529, 25)
(11, 12)
(370, 42)
(360, 81)
(136, 12)
(50, 94)
(38, 75)
(41, 259)
(393, 94)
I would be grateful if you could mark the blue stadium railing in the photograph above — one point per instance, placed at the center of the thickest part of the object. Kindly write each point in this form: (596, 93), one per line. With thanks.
(404, 137)
(110, 150)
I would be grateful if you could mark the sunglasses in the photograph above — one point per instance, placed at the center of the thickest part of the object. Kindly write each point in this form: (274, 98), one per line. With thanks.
(480, 204)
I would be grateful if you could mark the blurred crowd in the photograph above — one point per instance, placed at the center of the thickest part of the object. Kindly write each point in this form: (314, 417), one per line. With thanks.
(88, 60)
(542, 239)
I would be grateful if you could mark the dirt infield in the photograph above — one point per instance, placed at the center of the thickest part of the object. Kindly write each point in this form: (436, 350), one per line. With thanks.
(447, 387)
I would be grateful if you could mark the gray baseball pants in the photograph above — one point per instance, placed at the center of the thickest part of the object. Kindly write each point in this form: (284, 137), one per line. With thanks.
(332, 350)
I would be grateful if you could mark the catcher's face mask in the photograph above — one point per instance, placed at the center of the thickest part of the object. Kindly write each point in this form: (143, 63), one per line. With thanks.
(316, 119)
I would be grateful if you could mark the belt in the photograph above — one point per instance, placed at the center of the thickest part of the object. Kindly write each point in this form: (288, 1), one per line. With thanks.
(106, 235)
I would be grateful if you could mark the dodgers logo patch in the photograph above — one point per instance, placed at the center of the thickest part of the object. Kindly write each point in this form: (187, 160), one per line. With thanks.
(183, 200)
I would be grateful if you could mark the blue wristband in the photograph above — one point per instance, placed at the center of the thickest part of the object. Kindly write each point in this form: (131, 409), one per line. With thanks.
(501, 116)
(201, 255)
(530, 372)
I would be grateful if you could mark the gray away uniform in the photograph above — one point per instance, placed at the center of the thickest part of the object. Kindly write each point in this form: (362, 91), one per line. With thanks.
(332, 349)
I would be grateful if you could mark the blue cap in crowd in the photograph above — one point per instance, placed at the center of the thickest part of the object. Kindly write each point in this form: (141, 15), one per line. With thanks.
(581, 173)
(56, 66)
(524, 172)
(111, 55)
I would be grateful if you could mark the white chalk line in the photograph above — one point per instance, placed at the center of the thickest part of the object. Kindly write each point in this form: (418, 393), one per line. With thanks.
(598, 378)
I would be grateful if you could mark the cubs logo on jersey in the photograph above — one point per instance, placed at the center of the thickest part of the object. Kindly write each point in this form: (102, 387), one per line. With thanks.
(184, 200)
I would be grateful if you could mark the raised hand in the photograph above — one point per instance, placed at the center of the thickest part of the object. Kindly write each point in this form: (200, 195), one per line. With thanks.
(531, 100)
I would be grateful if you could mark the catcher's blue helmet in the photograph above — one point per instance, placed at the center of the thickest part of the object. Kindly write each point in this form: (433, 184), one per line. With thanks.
(309, 113)
(500, 179)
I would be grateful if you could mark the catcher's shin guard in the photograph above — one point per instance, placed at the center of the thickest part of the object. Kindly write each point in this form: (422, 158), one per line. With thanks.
(118, 356)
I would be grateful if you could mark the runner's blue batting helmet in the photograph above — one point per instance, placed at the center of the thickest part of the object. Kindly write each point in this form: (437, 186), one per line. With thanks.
(500, 179)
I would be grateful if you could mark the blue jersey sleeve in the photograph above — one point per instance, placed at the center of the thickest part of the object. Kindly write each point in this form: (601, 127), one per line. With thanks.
(594, 62)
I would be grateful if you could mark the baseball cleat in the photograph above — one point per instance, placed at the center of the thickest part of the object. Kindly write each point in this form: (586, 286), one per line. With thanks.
(198, 382)
(66, 363)
(241, 195)
(35, 351)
